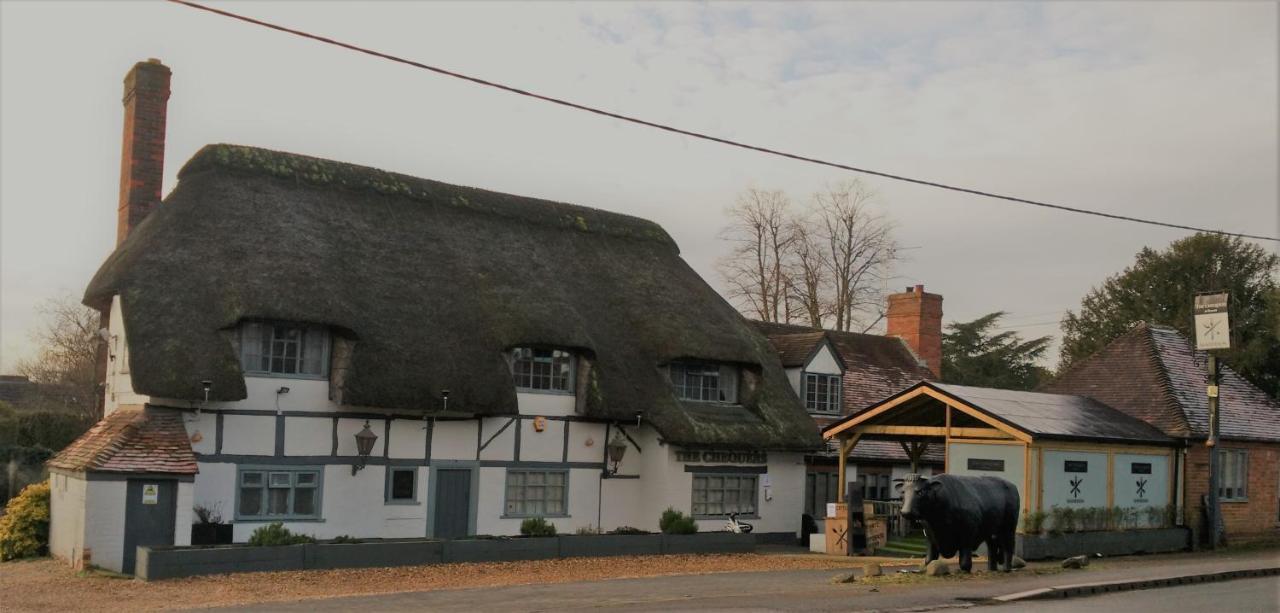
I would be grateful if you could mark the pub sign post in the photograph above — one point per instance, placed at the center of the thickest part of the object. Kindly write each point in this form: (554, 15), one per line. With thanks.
(1213, 332)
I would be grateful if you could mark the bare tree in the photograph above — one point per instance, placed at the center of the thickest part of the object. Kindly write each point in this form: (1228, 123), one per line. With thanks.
(66, 364)
(806, 271)
(761, 235)
(859, 251)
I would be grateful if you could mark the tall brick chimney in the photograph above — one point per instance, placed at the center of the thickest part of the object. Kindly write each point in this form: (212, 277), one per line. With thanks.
(916, 317)
(146, 101)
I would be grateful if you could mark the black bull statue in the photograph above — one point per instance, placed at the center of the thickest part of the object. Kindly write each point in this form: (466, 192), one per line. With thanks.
(960, 513)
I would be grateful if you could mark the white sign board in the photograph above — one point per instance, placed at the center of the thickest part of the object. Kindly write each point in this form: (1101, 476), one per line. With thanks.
(1213, 331)
(831, 509)
(150, 493)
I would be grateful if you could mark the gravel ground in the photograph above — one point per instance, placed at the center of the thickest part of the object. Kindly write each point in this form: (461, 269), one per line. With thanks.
(50, 585)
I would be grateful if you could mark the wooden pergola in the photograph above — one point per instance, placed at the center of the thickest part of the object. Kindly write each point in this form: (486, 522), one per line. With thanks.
(915, 418)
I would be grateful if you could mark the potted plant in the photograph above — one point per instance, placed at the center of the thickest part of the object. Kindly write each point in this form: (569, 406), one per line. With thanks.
(208, 528)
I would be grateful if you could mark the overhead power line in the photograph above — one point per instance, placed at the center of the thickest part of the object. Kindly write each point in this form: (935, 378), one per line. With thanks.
(699, 135)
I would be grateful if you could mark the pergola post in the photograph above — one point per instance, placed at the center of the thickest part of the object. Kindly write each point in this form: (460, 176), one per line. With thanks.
(914, 451)
(846, 447)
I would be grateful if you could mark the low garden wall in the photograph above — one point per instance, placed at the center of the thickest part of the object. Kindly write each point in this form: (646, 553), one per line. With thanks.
(172, 562)
(1107, 543)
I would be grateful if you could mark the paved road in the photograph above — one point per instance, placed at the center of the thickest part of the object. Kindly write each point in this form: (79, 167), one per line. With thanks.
(1239, 596)
(772, 591)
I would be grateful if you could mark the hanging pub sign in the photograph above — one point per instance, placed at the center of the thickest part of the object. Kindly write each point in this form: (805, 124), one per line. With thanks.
(722, 457)
(1213, 331)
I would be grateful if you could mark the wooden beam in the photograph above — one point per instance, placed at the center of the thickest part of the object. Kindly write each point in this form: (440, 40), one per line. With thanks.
(872, 413)
(846, 447)
(932, 431)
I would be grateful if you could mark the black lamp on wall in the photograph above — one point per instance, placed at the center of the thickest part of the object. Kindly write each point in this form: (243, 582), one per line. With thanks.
(365, 439)
(617, 449)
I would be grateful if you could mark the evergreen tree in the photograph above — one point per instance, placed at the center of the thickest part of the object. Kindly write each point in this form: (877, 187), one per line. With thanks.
(1159, 288)
(978, 353)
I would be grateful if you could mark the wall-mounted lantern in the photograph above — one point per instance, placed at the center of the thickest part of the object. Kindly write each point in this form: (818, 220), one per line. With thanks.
(365, 439)
(617, 449)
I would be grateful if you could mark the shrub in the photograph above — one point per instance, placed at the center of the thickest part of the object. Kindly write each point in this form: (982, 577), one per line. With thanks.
(675, 522)
(275, 534)
(537, 526)
(346, 538)
(628, 530)
(24, 529)
(208, 515)
(1033, 522)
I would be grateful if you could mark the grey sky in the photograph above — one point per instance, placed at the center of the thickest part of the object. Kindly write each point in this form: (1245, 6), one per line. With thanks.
(1161, 110)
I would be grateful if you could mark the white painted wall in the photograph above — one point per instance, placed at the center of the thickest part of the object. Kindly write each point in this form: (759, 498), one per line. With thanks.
(408, 439)
(545, 446)
(455, 440)
(119, 382)
(823, 362)
(66, 515)
(104, 523)
(586, 442)
(183, 517)
(584, 484)
(249, 435)
(502, 431)
(545, 403)
(306, 435)
(1013, 456)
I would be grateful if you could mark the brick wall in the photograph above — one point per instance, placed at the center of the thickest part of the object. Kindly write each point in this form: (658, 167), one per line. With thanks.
(1260, 515)
(916, 317)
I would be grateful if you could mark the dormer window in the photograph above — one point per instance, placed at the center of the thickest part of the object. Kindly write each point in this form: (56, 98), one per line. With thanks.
(542, 370)
(284, 349)
(822, 393)
(704, 381)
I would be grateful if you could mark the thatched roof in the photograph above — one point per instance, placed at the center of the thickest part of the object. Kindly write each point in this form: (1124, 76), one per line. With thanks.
(432, 282)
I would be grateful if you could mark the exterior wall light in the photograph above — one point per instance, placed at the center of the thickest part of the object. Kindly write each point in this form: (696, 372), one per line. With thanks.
(617, 449)
(365, 439)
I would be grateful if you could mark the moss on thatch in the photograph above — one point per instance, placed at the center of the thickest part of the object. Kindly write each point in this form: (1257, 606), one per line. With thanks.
(433, 282)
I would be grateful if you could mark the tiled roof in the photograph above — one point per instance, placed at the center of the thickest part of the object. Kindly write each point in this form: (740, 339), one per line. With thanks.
(1056, 415)
(794, 349)
(131, 441)
(1247, 412)
(875, 366)
(885, 451)
(1154, 373)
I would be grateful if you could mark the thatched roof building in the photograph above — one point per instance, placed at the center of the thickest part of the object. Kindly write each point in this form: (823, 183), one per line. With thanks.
(428, 285)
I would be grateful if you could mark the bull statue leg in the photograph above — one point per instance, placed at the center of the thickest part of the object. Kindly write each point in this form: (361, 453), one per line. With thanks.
(966, 560)
(1007, 542)
(995, 553)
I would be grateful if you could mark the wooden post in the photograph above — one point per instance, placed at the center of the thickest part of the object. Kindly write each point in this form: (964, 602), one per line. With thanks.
(846, 446)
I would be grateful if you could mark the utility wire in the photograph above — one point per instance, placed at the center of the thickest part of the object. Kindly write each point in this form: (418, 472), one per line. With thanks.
(699, 135)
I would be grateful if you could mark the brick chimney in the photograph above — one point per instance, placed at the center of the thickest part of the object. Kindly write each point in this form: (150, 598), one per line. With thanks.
(146, 100)
(916, 317)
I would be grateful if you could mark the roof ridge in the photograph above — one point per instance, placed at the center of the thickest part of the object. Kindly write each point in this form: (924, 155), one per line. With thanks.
(328, 173)
(1162, 373)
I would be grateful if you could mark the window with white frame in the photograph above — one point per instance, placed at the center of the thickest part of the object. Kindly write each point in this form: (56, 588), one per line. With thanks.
(537, 493)
(1233, 474)
(704, 381)
(822, 393)
(278, 493)
(278, 348)
(548, 370)
(718, 494)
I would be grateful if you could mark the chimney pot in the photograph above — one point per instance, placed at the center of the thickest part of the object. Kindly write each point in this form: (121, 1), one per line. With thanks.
(146, 99)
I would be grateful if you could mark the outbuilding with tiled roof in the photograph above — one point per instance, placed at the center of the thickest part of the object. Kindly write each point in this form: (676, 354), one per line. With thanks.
(119, 486)
(1155, 374)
